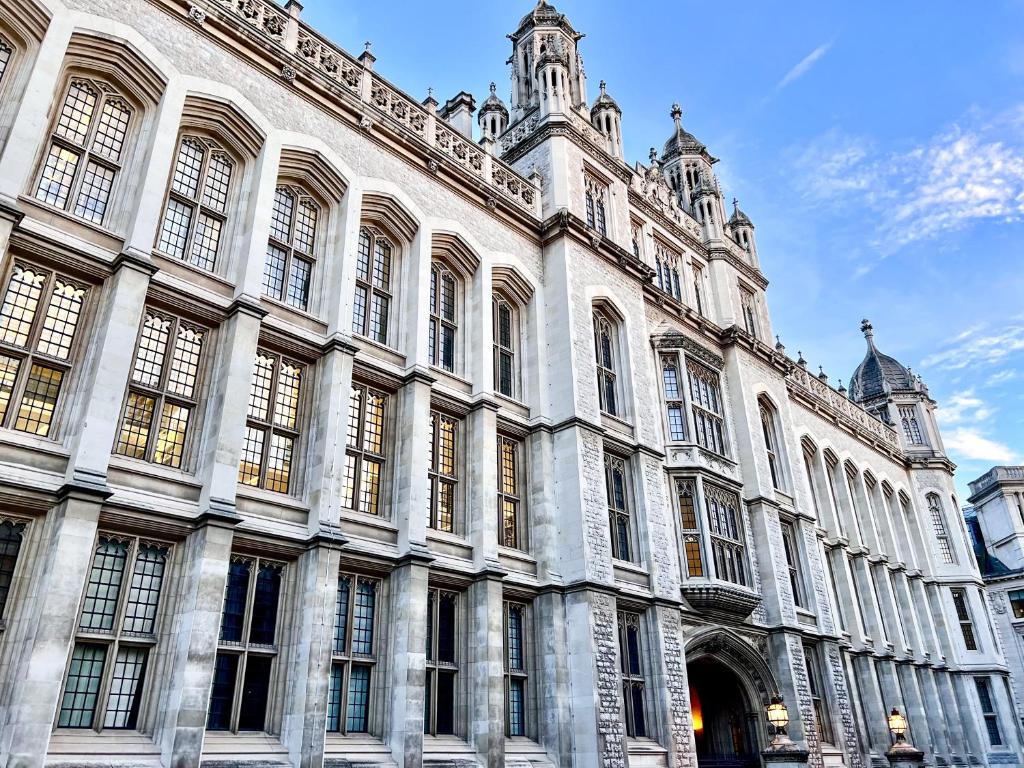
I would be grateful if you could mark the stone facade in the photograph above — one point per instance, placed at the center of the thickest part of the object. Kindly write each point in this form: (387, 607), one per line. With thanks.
(332, 436)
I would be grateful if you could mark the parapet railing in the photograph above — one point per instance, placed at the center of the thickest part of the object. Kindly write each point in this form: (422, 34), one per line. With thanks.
(842, 407)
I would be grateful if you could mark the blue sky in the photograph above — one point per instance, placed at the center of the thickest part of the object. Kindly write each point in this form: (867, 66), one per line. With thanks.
(877, 146)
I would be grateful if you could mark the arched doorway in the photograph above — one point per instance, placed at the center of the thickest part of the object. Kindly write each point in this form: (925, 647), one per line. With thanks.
(726, 723)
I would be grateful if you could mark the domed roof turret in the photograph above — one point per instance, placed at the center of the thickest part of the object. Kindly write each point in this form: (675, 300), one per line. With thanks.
(682, 142)
(604, 101)
(494, 103)
(878, 374)
(739, 218)
(544, 15)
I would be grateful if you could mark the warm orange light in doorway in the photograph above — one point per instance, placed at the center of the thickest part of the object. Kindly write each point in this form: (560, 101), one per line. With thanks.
(695, 711)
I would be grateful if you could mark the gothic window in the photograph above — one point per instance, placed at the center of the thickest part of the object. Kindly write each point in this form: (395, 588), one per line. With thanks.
(510, 493)
(770, 430)
(619, 507)
(963, 616)
(516, 674)
(690, 530)
(163, 392)
(667, 266)
(636, 231)
(86, 150)
(831, 468)
(6, 52)
(748, 306)
(443, 463)
(988, 711)
(39, 318)
(698, 288)
(243, 670)
(443, 317)
(441, 693)
(822, 717)
(606, 348)
(793, 563)
(371, 312)
(939, 527)
(116, 635)
(810, 458)
(632, 670)
(911, 429)
(596, 202)
(288, 271)
(272, 423)
(11, 536)
(675, 407)
(724, 515)
(197, 203)
(506, 341)
(706, 404)
(354, 654)
(365, 452)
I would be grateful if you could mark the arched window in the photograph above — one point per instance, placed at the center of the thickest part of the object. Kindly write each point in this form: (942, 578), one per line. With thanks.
(606, 346)
(667, 262)
(443, 317)
(288, 271)
(748, 305)
(596, 204)
(506, 341)
(772, 442)
(619, 507)
(939, 526)
(698, 288)
(371, 312)
(810, 458)
(197, 203)
(911, 428)
(87, 145)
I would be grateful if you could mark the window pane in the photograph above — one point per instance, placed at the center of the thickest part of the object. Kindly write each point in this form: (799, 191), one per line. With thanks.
(188, 168)
(207, 239)
(446, 629)
(517, 708)
(61, 320)
(40, 400)
(218, 178)
(112, 129)
(515, 638)
(125, 688)
(279, 463)
(185, 362)
(286, 405)
(222, 692)
(379, 318)
(341, 615)
(446, 446)
(78, 706)
(104, 586)
(363, 257)
(76, 113)
(445, 702)
(448, 298)
(149, 359)
(170, 440)
(273, 272)
(175, 229)
(235, 594)
(305, 227)
(21, 300)
(9, 367)
(369, 487)
(355, 405)
(135, 425)
(58, 175)
(362, 620)
(298, 283)
(144, 592)
(448, 348)
(382, 266)
(264, 608)
(94, 193)
(281, 217)
(334, 692)
(253, 711)
(262, 382)
(359, 311)
(373, 426)
(358, 700)
(10, 546)
(5, 57)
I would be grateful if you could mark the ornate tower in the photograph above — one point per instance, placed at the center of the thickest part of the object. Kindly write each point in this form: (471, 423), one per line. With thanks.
(493, 116)
(606, 116)
(685, 160)
(742, 230)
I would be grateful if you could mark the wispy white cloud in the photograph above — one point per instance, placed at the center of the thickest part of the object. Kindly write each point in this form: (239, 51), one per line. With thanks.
(1002, 377)
(981, 346)
(970, 444)
(804, 65)
(962, 407)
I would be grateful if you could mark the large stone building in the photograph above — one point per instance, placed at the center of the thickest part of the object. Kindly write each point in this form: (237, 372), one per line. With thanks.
(332, 435)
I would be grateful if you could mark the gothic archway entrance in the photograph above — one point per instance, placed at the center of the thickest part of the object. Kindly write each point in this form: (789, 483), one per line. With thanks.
(726, 722)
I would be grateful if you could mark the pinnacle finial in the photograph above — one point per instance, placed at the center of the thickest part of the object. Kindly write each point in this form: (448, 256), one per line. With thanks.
(866, 328)
(677, 113)
(735, 205)
(494, 88)
(779, 345)
(368, 44)
(604, 88)
(653, 155)
(800, 359)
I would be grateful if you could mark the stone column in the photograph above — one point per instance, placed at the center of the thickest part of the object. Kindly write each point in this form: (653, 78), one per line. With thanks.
(671, 685)
(482, 526)
(917, 714)
(408, 659)
(554, 727)
(411, 491)
(936, 711)
(871, 697)
(486, 669)
(50, 614)
(328, 432)
(191, 641)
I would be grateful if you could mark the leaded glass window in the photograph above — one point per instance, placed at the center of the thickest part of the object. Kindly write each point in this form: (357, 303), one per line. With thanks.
(272, 423)
(197, 203)
(12, 533)
(606, 349)
(667, 270)
(988, 711)
(371, 310)
(911, 427)
(163, 392)
(354, 655)
(689, 528)
(675, 408)
(291, 252)
(619, 506)
(6, 52)
(707, 408)
(510, 493)
(963, 616)
(631, 665)
(506, 340)
(444, 471)
(939, 527)
(725, 525)
(365, 451)
(441, 695)
(443, 318)
(596, 204)
(769, 429)
(86, 150)
(243, 676)
(39, 320)
(789, 547)
(516, 669)
(116, 635)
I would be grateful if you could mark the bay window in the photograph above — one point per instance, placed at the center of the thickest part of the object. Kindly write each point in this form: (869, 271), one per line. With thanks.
(706, 407)
(724, 515)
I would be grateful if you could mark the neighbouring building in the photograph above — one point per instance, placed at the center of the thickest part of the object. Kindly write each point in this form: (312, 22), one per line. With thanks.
(333, 434)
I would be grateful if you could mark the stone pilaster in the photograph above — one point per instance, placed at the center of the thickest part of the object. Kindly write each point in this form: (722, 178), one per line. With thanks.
(917, 714)
(50, 614)
(328, 432)
(554, 731)
(786, 653)
(671, 685)
(10, 217)
(871, 697)
(840, 689)
(935, 708)
(482, 523)
(486, 670)
(411, 491)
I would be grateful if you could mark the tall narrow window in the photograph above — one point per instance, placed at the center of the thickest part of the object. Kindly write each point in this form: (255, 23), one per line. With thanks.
(821, 712)
(632, 669)
(516, 674)
(809, 453)
(196, 203)
(441, 695)
(748, 306)
(667, 262)
(675, 408)
(793, 563)
(39, 318)
(272, 425)
(636, 231)
(288, 271)
(11, 535)
(939, 527)
(371, 310)
(724, 521)
(443, 326)
(163, 391)
(6, 52)
(607, 363)
(689, 528)
(86, 150)
(769, 428)
(963, 616)
(619, 523)
(911, 428)
(509, 493)
(505, 340)
(116, 635)
(698, 288)
(988, 711)
(444, 478)
(706, 404)
(365, 452)
(243, 670)
(354, 655)
(596, 204)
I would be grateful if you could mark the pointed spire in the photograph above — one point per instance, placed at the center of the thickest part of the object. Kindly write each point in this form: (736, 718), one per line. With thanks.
(604, 88)
(779, 346)
(821, 374)
(842, 389)
(800, 360)
(494, 89)
(869, 332)
(677, 115)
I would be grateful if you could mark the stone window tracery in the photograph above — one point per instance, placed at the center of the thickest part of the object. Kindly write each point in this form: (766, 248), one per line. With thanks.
(693, 546)
(510, 499)
(291, 251)
(366, 451)
(163, 391)
(354, 654)
(939, 528)
(606, 348)
(706, 406)
(770, 431)
(725, 524)
(675, 406)
(444, 327)
(748, 307)
(272, 423)
(596, 194)
(667, 267)
(86, 150)
(197, 203)
(506, 341)
(374, 273)
(911, 427)
(620, 506)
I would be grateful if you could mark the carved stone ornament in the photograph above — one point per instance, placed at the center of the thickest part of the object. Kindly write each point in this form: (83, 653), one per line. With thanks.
(196, 14)
(288, 73)
(491, 203)
(432, 165)
(596, 240)
(365, 123)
